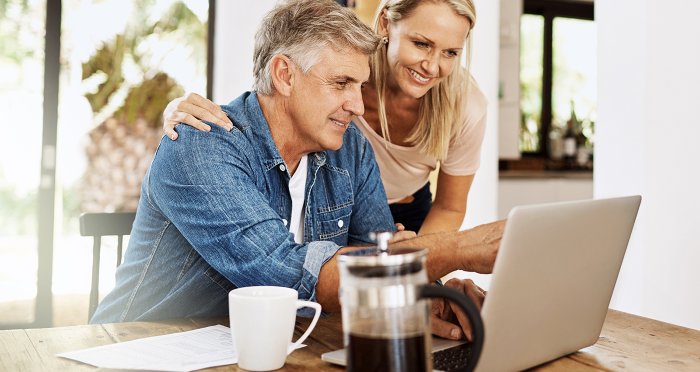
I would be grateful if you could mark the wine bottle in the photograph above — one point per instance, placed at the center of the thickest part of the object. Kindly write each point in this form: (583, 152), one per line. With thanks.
(570, 145)
(582, 152)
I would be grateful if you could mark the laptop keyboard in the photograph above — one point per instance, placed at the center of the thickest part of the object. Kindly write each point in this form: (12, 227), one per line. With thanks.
(452, 359)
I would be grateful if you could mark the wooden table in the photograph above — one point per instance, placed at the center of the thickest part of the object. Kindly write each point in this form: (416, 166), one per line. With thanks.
(627, 343)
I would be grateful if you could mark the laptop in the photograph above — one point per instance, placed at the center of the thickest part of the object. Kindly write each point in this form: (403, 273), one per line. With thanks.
(552, 282)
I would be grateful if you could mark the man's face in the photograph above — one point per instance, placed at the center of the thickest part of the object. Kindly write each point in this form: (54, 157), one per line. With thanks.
(324, 101)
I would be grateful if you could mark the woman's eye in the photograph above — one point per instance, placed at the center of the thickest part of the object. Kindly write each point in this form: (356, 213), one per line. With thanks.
(452, 53)
(420, 44)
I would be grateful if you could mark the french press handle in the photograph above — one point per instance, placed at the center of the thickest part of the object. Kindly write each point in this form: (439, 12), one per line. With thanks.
(434, 291)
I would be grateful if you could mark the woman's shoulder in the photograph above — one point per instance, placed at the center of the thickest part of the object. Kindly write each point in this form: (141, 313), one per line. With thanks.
(475, 99)
(474, 103)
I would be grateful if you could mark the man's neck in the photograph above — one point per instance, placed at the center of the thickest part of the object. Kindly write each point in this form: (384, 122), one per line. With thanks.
(284, 134)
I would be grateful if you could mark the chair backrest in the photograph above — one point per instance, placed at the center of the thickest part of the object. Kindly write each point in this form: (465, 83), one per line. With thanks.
(98, 225)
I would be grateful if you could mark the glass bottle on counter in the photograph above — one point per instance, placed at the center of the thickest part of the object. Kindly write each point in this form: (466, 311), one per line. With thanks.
(570, 140)
(556, 143)
(582, 151)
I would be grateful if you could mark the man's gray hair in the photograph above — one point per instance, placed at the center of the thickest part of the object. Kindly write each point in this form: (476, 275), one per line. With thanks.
(300, 30)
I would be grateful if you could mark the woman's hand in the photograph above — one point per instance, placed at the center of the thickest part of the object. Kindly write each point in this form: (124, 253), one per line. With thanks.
(191, 109)
(448, 319)
(402, 234)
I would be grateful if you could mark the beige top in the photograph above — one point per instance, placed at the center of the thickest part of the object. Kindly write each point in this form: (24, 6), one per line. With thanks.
(404, 169)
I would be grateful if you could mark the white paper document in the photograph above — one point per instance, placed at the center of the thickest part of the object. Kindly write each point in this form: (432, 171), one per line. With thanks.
(184, 351)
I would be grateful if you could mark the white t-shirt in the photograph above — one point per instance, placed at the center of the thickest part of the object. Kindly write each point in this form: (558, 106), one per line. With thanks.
(404, 169)
(297, 188)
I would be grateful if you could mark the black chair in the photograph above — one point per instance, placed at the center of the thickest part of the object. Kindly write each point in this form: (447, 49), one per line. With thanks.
(98, 225)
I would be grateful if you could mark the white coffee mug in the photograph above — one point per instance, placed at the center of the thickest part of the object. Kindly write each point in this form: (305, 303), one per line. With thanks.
(262, 325)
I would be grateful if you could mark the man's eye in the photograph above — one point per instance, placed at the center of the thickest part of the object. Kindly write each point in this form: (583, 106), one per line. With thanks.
(341, 84)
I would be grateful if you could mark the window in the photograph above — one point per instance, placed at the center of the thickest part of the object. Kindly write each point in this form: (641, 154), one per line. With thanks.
(22, 26)
(531, 73)
(119, 63)
(557, 82)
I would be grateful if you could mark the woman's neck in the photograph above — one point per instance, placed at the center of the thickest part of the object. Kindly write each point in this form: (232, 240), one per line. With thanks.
(401, 113)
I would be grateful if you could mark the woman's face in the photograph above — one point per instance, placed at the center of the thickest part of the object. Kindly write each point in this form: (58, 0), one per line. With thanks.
(424, 47)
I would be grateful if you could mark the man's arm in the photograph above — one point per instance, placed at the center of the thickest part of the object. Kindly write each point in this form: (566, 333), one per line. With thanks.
(471, 250)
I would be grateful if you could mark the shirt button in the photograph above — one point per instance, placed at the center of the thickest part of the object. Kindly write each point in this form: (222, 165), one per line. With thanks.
(341, 223)
(283, 168)
(284, 221)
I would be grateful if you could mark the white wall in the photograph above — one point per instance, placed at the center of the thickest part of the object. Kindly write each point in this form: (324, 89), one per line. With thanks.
(483, 197)
(646, 142)
(236, 23)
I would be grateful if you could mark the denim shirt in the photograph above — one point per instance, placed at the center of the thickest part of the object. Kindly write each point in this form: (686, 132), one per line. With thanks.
(213, 213)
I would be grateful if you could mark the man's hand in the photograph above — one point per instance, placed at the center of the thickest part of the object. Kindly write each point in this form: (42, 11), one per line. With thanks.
(448, 320)
(191, 109)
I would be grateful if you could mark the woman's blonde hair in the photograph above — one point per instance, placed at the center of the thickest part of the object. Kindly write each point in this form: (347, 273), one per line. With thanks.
(441, 109)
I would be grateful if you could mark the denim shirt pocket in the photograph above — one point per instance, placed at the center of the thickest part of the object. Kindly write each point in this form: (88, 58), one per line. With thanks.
(333, 223)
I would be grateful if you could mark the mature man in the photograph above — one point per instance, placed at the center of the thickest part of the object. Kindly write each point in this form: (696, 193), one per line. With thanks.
(273, 201)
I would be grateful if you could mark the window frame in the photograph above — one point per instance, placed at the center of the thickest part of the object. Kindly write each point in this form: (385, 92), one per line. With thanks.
(549, 10)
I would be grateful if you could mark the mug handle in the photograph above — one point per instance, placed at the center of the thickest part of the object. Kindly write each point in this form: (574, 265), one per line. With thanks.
(317, 313)
(434, 291)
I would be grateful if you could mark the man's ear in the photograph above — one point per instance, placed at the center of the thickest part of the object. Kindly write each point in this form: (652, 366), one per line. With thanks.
(282, 71)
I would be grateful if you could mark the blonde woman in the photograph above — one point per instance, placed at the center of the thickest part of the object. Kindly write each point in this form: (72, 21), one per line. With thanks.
(422, 110)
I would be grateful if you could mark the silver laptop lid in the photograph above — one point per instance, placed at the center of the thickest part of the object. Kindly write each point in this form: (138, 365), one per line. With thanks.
(553, 280)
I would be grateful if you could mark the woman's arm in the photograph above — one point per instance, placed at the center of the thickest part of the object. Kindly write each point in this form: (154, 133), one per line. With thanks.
(191, 109)
(450, 204)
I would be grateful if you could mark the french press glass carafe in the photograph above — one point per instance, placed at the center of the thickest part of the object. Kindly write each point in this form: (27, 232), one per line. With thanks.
(386, 314)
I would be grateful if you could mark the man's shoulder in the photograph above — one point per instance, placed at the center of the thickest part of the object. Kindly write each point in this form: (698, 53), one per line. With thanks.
(235, 141)
(197, 151)
(217, 139)
(202, 158)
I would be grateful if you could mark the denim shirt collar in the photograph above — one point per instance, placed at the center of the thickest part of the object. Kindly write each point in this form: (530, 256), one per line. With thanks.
(245, 112)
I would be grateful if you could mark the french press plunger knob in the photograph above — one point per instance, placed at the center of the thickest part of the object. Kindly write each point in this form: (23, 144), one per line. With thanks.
(382, 238)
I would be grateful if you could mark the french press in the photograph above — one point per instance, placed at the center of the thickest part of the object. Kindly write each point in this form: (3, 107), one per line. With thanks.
(386, 313)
